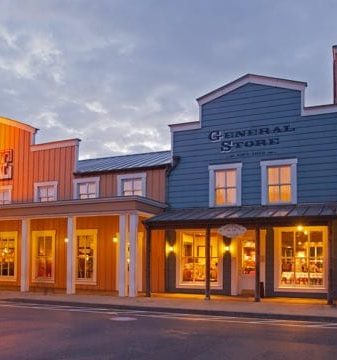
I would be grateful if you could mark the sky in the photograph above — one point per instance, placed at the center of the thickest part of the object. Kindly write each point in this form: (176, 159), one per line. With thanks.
(116, 73)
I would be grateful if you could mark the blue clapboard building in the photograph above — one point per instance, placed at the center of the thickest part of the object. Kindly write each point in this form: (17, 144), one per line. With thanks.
(252, 193)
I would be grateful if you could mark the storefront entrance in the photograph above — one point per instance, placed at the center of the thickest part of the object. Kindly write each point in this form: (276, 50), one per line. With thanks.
(246, 262)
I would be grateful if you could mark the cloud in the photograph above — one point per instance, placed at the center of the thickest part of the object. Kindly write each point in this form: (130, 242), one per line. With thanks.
(96, 107)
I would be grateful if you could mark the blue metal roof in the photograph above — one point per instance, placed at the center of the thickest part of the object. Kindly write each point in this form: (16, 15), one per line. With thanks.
(125, 162)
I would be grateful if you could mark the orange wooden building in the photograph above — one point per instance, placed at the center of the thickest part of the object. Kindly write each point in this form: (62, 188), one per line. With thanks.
(76, 225)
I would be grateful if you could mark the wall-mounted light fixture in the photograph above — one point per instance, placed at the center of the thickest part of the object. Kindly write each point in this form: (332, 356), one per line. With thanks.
(66, 240)
(226, 248)
(300, 228)
(169, 249)
(115, 239)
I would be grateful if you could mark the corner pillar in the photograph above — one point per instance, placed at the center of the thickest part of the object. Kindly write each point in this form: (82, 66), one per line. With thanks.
(25, 255)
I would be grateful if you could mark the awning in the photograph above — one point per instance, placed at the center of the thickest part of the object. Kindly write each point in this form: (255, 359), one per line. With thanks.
(244, 214)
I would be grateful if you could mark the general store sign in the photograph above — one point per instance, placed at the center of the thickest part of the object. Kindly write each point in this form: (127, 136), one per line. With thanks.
(244, 139)
(232, 230)
(6, 164)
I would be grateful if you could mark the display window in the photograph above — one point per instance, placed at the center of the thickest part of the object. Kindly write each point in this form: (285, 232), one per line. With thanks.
(192, 258)
(86, 255)
(8, 255)
(248, 256)
(43, 255)
(302, 257)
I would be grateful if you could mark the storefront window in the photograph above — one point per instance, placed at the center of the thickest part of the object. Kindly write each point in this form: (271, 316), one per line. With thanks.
(86, 253)
(7, 254)
(302, 254)
(248, 256)
(193, 257)
(43, 255)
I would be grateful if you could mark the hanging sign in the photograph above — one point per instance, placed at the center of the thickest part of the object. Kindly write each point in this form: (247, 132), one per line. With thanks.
(6, 164)
(232, 230)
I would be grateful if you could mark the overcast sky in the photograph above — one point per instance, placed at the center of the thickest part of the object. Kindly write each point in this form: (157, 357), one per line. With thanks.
(116, 73)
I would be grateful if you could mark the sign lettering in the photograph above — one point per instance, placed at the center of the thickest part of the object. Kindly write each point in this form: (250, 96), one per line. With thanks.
(6, 164)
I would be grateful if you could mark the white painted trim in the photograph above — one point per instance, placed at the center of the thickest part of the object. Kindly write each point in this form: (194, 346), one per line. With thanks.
(9, 188)
(234, 166)
(18, 124)
(92, 281)
(185, 126)
(77, 181)
(71, 246)
(35, 234)
(131, 176)
(45, 183)
(12, 234)
(254, 79)
(133, 286)
(319, 110)
(278, 255)
(55, 145)
(25, 255)
(264, 180)
(122, 263)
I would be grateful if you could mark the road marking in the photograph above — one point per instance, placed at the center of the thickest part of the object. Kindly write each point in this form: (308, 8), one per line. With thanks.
(131, 315)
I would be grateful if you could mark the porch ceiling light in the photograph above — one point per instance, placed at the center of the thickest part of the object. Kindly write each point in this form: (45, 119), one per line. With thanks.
(300, 228)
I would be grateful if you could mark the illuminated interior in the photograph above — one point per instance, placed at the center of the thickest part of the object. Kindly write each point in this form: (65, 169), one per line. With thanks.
(279, 184)
(225, 187)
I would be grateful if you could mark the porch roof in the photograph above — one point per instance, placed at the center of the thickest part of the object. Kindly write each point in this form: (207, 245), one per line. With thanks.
(243, 214)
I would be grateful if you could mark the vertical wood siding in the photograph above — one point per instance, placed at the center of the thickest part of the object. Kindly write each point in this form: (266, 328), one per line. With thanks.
(36, 166)
(60, 266)
(313, 143)
(107, 228)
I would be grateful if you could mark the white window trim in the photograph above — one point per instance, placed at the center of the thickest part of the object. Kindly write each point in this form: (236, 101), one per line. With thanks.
(233, 166)
(35, 234)
(78, 181)
(264, 180)
(87, 281)
(15, 235)
(41, 184)
(120, 179)
(278, 256)
(10, 188)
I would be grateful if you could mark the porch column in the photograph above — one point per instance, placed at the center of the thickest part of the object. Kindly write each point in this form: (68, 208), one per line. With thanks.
(25, 255)
(208, 264)
(257, 265)
(122, 262)
(330, 295)
(71, 254)
(133, 286)
(148, 262)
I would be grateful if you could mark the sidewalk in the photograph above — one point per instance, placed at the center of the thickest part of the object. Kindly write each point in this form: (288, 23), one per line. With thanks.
(275, 308)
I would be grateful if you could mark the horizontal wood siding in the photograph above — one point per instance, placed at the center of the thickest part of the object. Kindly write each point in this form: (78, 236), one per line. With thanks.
(313, 143)
(60, 227)
(107, 228)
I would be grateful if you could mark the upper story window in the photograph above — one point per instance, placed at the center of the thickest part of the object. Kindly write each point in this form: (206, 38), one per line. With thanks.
(86, 188)
(45, 191)
(279, 181)
(225, 184)
(5, 194)
(131, 184)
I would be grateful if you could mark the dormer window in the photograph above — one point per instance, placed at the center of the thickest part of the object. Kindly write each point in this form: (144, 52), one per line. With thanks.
(131, 184)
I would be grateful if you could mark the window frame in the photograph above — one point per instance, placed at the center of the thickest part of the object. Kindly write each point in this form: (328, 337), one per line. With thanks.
(35, 235)
(9, 188)
(264, 180)
(92, 281)
(15, 235)
(121, 178)
(278, 261)
(233, 166)
(38, 185)
(77, 182)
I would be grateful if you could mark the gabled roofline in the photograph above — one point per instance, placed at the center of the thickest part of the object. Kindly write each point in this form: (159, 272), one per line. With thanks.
(55, 144)
(254, 79)
(18, 124)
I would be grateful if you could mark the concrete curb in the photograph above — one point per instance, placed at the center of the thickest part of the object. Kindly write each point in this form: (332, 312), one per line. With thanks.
(160, 309)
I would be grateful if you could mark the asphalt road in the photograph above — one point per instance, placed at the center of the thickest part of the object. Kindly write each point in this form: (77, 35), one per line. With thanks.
(56, 332)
